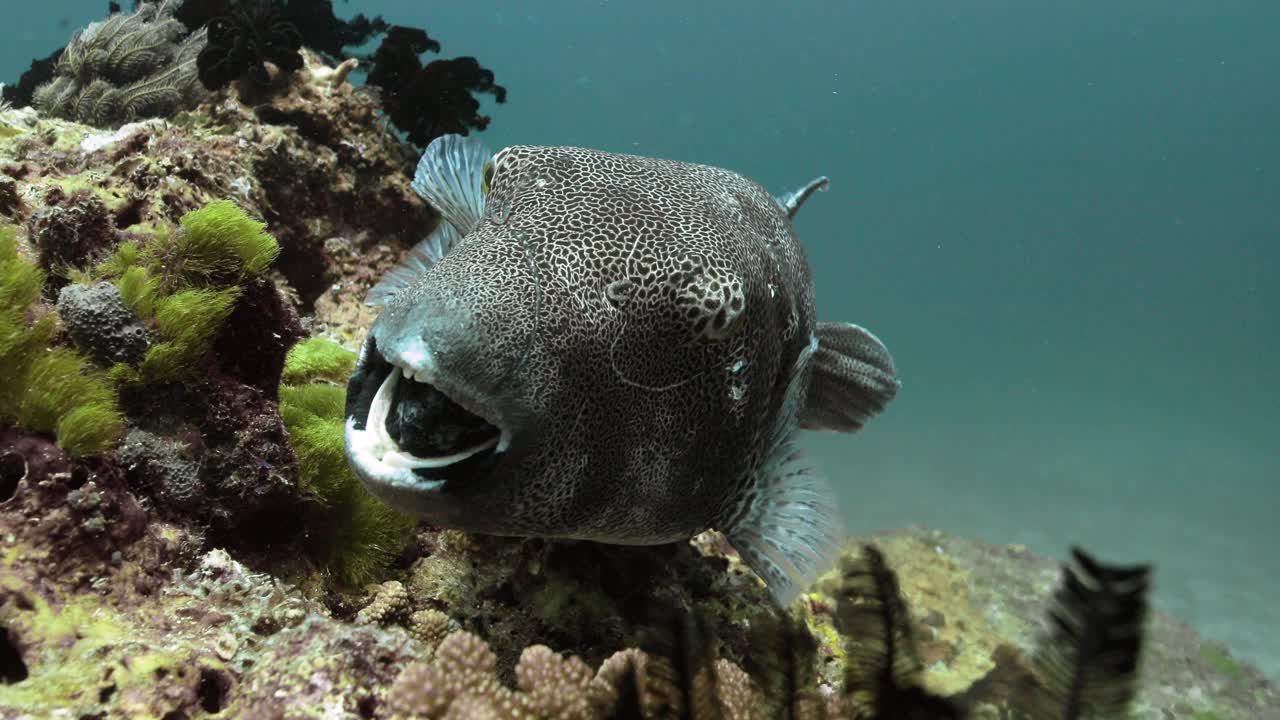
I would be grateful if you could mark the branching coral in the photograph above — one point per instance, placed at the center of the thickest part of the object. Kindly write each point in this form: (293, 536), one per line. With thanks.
(462, 682)
(356, 536)
(43, 389)
(125, 68)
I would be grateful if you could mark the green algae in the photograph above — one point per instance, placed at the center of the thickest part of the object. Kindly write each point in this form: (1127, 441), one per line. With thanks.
(1222, 662)
(189, 321)
(356, 536)
(139, 290)
(186, 282)
(318, 359)
(42, 389)
(65, 396)
(219, 240)
(215, 246)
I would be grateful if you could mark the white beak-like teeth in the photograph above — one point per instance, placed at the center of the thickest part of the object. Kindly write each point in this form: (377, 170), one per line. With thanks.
(385, 452)
(410, 373)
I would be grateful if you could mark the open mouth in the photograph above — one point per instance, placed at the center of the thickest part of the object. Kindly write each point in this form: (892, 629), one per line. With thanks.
(397, 424)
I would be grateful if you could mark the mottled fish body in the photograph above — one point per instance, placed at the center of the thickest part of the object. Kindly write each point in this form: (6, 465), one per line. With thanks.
(611, 348)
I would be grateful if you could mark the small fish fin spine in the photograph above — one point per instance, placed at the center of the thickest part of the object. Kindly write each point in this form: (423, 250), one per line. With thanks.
(792, 201)
(421, 258)
(450, 176)
(852, 380)
(787, 527)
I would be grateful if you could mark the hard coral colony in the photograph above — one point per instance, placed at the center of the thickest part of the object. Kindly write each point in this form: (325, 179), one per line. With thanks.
(195, 208)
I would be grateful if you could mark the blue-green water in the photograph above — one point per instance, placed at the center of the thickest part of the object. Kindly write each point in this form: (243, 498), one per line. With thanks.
(1063, 218)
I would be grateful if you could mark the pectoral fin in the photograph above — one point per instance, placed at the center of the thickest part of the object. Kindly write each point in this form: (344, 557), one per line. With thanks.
(450, 176)
(852, 380)
(787, 525)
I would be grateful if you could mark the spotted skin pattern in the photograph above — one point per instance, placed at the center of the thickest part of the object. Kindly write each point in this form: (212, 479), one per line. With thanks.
(633, 322)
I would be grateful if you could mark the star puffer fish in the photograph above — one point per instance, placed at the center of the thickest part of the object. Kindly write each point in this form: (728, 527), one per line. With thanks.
(613, 348)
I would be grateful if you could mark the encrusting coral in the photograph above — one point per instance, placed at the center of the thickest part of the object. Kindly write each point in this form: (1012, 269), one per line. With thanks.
(173, 480)
(125, 68)
(70, 229)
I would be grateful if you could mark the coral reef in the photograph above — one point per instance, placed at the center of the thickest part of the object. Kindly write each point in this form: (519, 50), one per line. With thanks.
(125, 68)
(219, 638)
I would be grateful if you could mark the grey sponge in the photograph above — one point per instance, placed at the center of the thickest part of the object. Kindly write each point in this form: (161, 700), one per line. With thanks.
(173, 480)
(101, 324)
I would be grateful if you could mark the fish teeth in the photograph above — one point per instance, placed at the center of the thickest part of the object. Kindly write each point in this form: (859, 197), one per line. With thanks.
(399, 458)
(410, 373)
(379, 408)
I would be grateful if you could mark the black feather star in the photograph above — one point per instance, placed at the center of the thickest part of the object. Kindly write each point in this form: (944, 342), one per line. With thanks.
(431, 100)
(242, 42)
(1087, 665)
(883, 668)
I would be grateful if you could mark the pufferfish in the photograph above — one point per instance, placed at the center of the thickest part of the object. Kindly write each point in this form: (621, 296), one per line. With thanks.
(614, 348)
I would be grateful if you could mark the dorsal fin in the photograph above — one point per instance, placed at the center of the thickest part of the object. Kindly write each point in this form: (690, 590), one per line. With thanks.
(450, 176)
(792, 201)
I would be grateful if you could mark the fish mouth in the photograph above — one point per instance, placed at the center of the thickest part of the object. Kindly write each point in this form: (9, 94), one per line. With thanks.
(405, 434)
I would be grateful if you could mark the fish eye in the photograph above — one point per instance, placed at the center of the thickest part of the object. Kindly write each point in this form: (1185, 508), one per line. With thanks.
(487, 177)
